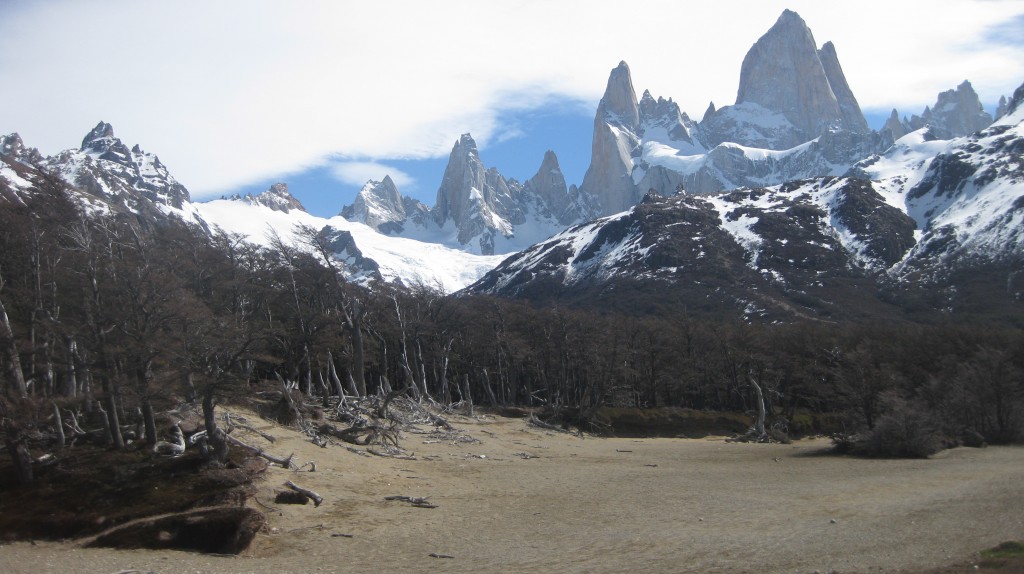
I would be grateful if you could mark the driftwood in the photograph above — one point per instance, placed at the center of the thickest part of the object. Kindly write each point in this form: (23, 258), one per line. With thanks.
(235, 422)
(438, 421)
(544, 425)
(317, 499)
(283, 462)
(361, 435)
(390, 455)
(417, 501)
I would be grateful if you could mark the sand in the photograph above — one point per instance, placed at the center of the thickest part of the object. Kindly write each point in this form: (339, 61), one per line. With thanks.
(525, 500)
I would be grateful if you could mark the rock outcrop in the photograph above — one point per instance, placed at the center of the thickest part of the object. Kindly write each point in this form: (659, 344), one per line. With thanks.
(277, 198)
(106, 168)
(957, 112)
(548, 187)
(895, 126)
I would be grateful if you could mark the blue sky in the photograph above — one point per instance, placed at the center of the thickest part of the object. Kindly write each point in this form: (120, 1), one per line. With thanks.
(237, 94)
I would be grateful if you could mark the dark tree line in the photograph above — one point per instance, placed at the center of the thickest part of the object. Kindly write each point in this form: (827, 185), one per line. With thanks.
(110, 318)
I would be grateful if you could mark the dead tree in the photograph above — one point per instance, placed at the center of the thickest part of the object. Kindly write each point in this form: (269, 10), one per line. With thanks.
(11, 349)
(759, 430)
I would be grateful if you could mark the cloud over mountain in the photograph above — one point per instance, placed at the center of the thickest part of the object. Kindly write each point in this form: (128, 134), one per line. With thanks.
(276, 88)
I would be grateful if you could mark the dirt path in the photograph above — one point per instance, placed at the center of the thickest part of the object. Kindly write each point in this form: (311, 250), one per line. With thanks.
(606, 505)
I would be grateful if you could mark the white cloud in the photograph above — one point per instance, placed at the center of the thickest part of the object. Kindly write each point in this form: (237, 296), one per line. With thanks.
(359, 172)
(230, 92)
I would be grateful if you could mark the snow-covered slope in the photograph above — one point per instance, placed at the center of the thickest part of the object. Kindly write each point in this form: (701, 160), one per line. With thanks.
(965, 194)
(925, 215)
(364, 250)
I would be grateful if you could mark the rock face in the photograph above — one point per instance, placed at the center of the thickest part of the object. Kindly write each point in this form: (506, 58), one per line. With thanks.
(898, 128)
(379, 205)
(794, 106)
(549, 189)
(12, 147)
(790, 92)
(1001, 108)
(783, 73)
(478, 201)
(849, 109)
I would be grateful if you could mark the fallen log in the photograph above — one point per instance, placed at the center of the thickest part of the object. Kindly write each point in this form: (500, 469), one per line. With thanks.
(390, 455)
(317, 499)
(234, 421)
(417, 501)
(544, 425)
(283, 462)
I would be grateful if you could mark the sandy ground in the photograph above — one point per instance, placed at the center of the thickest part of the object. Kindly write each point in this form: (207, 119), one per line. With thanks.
(604, 505)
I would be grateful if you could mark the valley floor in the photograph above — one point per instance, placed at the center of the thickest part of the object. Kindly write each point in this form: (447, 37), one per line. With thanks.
(523, 499)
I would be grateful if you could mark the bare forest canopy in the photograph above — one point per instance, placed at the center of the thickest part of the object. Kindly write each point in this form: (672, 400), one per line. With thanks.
(115, 318)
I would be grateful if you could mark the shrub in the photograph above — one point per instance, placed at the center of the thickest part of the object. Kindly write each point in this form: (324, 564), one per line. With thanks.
(906, 429)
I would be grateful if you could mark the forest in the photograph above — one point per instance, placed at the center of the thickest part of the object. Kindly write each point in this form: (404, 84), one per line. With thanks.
(107, 319)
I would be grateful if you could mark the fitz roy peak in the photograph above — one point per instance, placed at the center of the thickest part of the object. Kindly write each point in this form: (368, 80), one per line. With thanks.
(785, 74)
(795, 117)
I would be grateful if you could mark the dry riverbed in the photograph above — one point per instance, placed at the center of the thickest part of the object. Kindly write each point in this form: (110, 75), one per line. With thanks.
(523, 499)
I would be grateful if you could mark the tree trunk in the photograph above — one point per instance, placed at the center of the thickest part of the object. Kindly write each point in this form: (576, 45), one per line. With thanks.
(21, 458)
(761, 411)
(466, 396)
(332, 376)
(114, 422)
(58, 425)
(214, 435)
(490, 391)
(11, 350)
(70, 377)
(190, 387)
(358, 368)
(149, 420)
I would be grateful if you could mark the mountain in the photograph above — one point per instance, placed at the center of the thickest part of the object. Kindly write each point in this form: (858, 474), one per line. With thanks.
(477, 209)
(106, 177)
(795, 117)
(956, 112)
(783, 204)
(928, 224)
(381, 206)
(966, 195)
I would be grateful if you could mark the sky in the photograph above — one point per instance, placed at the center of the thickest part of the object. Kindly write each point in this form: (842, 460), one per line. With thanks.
(235, 95)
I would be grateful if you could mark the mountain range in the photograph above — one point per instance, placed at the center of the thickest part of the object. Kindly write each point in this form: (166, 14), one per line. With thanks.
(783, 204)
